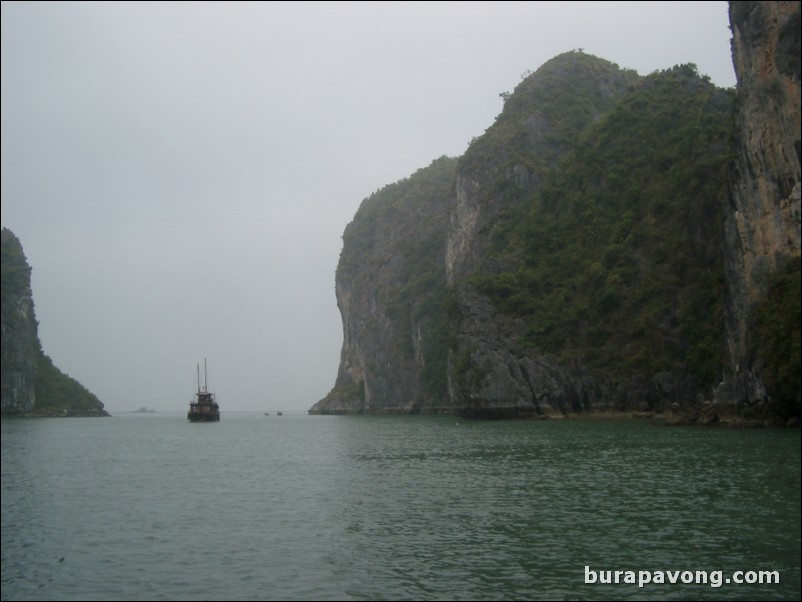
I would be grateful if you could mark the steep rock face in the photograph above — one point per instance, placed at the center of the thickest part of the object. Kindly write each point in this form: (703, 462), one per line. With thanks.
(490, 373)
(390, 289)
(20, 342)
(763, 221)
(31, 384)
(492, 376)
(541, 121)
(583, 244)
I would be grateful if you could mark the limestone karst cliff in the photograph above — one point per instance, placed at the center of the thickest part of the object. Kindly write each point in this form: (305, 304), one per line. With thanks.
(493, 340)
(391, 293)
(763, 220)
(612, 241)
(590, 288)
(31, 384)
(19, 329)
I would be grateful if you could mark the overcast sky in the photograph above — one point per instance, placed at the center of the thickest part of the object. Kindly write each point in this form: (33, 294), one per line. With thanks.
(180, 174)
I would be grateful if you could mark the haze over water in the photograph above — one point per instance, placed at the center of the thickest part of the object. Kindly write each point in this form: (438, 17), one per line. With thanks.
(148, 506)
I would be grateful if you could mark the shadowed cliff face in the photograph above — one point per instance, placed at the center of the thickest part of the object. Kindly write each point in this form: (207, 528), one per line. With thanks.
(542, 120)
(763, 221)
(490, 373)
(590, 275)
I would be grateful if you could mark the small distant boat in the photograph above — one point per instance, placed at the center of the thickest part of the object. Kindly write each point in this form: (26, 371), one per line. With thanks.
(279, 414)
(203, 408)
(267, 413)
(143, 410)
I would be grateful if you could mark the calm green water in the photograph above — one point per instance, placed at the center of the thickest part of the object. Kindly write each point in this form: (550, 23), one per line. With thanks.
(390, 508)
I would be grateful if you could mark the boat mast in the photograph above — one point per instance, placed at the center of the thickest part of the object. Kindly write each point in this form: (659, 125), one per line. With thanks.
(205, 384)
(198, 365)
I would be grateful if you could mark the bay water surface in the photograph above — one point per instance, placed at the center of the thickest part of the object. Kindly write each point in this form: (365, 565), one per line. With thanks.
(297, 507)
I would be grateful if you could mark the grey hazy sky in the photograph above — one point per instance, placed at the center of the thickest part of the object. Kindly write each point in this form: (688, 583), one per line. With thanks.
(180, 174)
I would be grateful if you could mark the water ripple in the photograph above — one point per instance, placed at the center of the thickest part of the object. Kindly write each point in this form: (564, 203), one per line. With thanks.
(389, 508)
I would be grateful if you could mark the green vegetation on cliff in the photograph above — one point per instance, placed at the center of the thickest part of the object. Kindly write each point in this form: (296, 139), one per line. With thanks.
(618, 258)
(584, 249)
(546, 113)
(16, 273)
(391, 280)
(778, 336)
(57, 393)
(31, 384)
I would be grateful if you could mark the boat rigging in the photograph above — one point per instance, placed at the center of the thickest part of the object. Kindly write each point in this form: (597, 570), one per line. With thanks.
(203, 407)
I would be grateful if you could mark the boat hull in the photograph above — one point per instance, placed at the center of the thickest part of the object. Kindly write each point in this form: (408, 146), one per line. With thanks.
(203, 417)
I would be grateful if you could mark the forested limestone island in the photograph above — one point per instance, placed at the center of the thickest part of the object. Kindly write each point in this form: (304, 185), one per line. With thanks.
(31, 384)
(612, 243)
